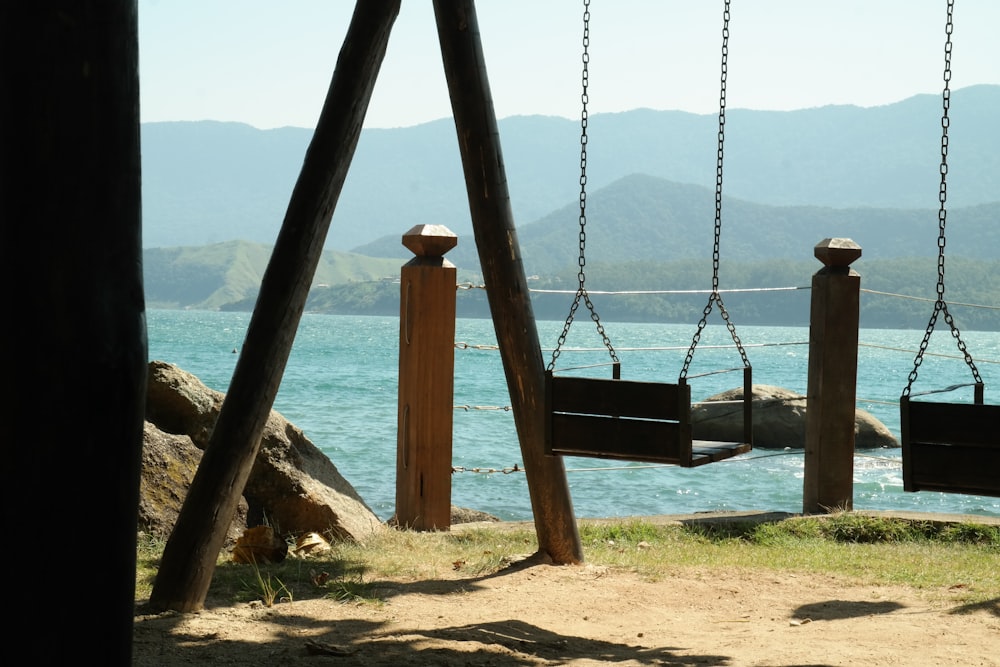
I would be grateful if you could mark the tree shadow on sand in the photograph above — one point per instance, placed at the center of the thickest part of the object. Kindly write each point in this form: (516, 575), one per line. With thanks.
(530, 641)
(297, 639)
(357, 639)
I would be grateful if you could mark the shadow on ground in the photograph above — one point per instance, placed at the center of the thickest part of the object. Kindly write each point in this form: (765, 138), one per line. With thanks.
(834, 610)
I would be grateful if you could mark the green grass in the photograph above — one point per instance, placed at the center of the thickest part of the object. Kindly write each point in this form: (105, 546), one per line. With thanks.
(929, 556)
(267, 588)
(924, 555)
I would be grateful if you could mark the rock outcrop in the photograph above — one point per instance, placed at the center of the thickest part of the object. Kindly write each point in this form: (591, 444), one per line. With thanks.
(466, 515)
(168, 465)
(293, 486)
(779, 420)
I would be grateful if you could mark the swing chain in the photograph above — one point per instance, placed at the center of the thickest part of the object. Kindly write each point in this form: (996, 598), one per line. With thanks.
(581, 275)
(715, 297)
(720, 152)
(940, 306)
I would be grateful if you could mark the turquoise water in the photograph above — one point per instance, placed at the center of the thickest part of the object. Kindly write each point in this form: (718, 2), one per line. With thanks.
(340, 389)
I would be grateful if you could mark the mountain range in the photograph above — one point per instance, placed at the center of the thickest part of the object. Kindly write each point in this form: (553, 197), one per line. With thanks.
(209, 182)
(214, 196)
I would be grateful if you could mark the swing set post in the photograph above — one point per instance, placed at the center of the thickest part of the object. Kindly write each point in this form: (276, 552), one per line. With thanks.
(503, 273)
(833, 374)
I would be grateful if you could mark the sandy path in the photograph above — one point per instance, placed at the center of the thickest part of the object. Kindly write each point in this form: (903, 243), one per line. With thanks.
(587, 615)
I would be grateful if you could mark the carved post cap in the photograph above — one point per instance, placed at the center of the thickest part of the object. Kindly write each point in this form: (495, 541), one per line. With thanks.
(430, 240)
(837, 252)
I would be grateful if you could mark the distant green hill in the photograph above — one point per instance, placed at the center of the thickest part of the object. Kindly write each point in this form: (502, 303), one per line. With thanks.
(969, 282)
(645, 233)
(209, 277)
(640, 217)
(209, 182)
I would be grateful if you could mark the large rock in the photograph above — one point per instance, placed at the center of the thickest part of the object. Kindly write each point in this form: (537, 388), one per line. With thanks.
(168, 466)
(299, 490)
(293, 485)
(779, 420)
(177, 402)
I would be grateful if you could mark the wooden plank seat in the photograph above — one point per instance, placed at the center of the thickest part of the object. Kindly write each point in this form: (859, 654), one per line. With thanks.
(951, 447)
(632, 421)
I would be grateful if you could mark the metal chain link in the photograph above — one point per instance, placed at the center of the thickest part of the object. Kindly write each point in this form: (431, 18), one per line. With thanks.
(715, 297)
(940, 306)
(581, 275)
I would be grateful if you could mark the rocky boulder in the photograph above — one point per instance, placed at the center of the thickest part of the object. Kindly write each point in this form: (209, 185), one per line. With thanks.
(293, 486)
(299, 490)
(168, 466)
(466, 515)
(177, 402)
(779, 420)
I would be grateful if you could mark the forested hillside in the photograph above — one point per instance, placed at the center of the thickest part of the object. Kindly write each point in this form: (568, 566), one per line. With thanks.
(969, 282)
(641, 217)
(647, 234)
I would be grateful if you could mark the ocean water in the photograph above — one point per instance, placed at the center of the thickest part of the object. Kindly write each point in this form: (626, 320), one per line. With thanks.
(340, 388)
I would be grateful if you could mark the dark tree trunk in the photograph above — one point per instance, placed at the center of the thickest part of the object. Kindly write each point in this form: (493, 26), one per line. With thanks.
(74, 333)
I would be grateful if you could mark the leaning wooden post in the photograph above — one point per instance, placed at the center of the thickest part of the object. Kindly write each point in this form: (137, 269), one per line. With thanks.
(426, 380)
(833, 376)
(191, 552)
(506, 283)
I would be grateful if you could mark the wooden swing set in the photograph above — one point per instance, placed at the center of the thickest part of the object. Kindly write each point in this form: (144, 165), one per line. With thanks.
(568, 407)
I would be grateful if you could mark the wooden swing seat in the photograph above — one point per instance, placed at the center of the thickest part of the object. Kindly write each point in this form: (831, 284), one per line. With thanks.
(632, 421)
(951, 447)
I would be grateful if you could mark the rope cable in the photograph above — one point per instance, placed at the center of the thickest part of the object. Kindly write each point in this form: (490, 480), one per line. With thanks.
(924, 298)
(675, 291)
(506, 470)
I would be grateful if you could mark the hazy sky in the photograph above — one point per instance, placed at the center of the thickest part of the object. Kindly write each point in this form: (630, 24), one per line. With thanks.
(269, 63)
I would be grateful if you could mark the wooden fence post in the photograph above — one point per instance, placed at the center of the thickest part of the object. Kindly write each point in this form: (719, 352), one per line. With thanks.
(833, 373)
(426, 380)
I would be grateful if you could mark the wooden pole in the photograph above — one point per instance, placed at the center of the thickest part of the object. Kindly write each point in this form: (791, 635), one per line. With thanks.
(190, 554)
(426, 380)
(74, 333)
(833, 373)
(507, 286)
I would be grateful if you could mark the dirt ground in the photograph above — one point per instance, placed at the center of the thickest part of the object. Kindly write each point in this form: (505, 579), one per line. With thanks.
(533, 613)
